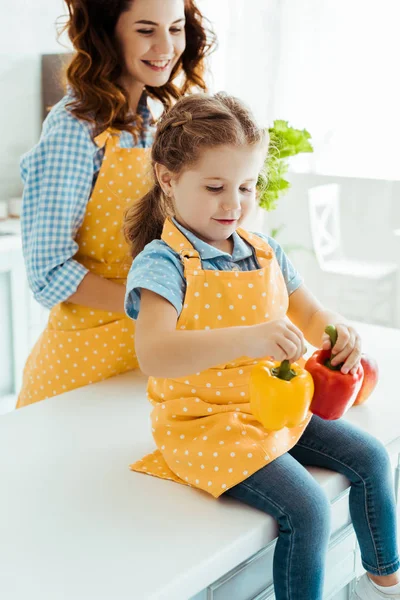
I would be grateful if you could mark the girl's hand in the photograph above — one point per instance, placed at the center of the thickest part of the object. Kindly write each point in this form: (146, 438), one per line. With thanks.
(347, 349)
(279, 339)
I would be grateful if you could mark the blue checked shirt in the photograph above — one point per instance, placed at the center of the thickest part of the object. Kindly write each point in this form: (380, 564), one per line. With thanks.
(158, 268)
(59, 174)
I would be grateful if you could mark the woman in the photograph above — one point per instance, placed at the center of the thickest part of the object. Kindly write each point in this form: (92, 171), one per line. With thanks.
(90, 164)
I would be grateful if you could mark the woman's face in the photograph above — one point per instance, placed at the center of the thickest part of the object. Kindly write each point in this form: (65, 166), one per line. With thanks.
(151, 36)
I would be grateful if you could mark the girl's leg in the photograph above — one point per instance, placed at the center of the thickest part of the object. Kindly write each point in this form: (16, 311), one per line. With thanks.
(287, 492)
(363, 459)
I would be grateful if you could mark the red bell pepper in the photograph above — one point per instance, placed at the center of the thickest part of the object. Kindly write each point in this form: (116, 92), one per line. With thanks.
(334, 392)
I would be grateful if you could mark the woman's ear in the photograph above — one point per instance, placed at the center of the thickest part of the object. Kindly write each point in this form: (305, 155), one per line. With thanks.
(164, 177)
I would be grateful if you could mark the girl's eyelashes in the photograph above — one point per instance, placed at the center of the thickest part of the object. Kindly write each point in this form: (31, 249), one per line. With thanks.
(219, 189)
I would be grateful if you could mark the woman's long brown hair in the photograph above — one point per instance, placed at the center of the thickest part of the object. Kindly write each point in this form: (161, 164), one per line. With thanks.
(194, 123)
(96, 66)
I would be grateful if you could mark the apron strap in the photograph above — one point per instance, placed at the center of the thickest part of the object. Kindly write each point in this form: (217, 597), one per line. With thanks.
(261, 246)
(106, 135)
(177, 241)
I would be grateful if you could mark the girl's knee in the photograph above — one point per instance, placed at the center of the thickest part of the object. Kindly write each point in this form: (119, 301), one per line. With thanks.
(312, 513)
(375, 460)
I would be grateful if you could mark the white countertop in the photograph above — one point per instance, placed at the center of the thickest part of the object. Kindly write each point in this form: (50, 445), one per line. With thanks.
(75, 522)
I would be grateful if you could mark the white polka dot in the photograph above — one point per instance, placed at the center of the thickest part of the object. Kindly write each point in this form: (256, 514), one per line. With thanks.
(232, 454)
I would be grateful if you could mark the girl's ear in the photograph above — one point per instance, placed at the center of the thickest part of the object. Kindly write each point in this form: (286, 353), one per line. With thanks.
(164, 177)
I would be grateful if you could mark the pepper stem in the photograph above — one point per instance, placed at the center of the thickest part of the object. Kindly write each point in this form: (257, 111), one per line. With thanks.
(333, 336)
(284, 371)
(332, 332)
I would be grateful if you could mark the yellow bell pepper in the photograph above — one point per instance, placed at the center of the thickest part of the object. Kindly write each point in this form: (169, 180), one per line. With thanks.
(280, 394)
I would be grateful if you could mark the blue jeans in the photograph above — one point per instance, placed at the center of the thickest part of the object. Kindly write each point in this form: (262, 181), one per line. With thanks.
(287, 492)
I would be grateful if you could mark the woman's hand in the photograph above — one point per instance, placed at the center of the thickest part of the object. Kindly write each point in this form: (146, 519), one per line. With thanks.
(279, 339)
(347, 349)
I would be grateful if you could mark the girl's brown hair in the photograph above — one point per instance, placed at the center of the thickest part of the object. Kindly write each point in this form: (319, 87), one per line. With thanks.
(192, 124)
(96, 67)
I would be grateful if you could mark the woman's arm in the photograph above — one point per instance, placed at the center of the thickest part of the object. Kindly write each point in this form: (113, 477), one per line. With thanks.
(164, 351)
(58, 175)
(99, 293)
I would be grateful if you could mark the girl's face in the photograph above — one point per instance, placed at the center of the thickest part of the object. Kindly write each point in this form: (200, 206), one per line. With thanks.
(151, 36)
(214, 196)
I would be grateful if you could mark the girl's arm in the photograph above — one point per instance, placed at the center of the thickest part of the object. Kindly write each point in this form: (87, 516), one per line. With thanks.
(164, 351)
(311, 318)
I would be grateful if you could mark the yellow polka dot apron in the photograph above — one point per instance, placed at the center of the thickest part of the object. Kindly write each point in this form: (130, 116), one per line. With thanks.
(82, 345)
(202, 425)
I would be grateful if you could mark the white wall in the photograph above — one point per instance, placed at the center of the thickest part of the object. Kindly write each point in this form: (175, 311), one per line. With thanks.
(369, 211)
(27, 30)
(337, 77)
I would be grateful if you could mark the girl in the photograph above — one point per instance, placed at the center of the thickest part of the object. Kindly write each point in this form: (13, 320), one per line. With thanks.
(88, 166)
(210, 300)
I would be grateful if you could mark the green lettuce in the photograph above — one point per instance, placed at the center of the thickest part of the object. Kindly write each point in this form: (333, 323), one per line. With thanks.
(285, 141)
